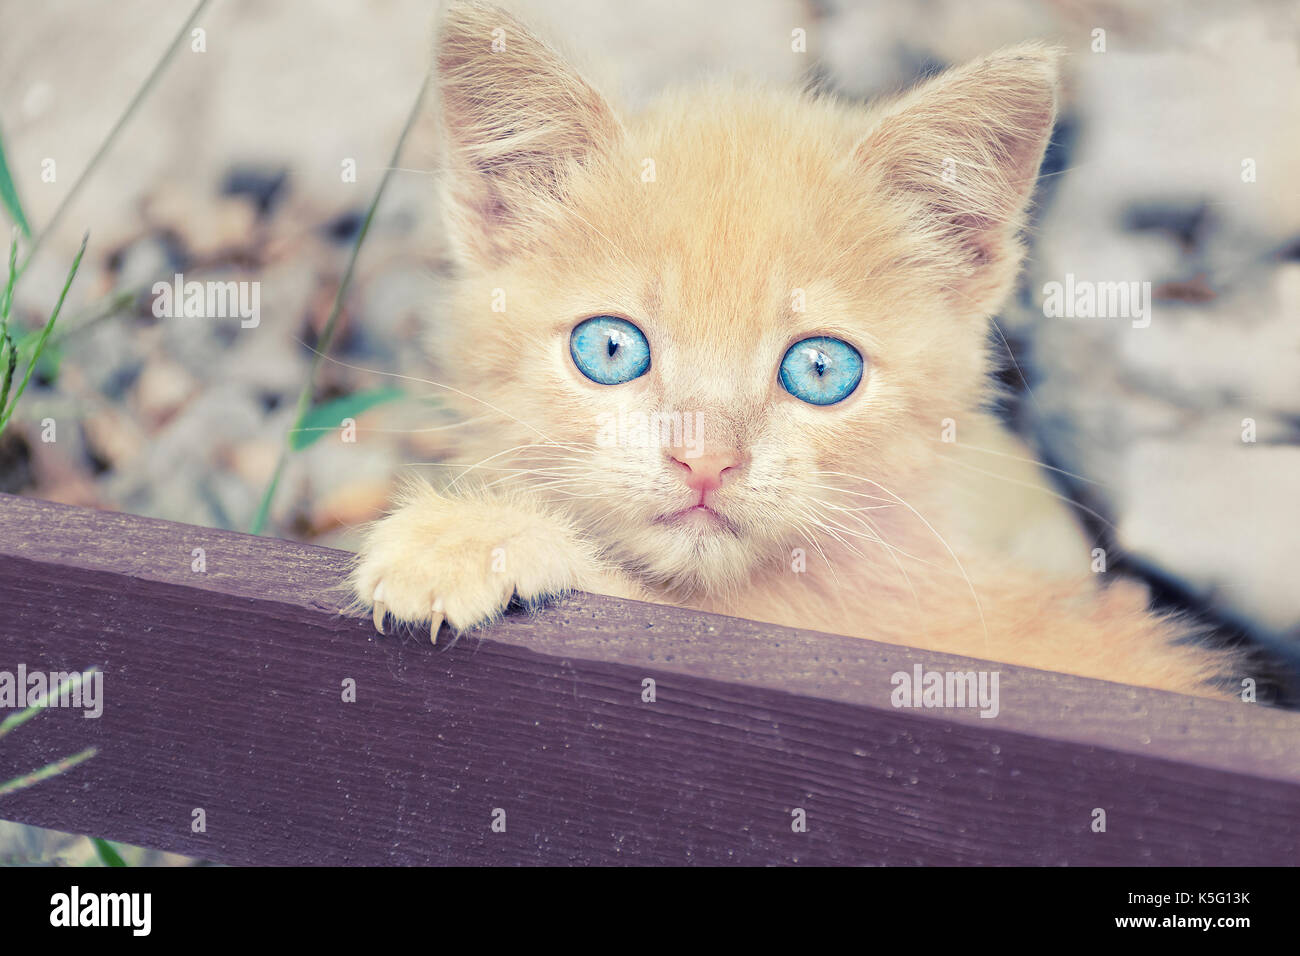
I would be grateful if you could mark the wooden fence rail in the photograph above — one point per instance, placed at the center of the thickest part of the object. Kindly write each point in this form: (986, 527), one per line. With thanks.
(224, 702)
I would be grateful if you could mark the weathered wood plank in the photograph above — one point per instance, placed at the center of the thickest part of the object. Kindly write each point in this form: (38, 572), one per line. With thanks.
(223, 692)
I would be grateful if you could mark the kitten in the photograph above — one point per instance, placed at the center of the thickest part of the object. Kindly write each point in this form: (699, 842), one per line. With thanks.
(801, 289)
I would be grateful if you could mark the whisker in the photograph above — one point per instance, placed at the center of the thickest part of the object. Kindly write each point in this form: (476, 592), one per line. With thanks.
(1032, 461)
(425, 381)
(1046, 491)
(953, 554)
(816, 545)
(890, 550)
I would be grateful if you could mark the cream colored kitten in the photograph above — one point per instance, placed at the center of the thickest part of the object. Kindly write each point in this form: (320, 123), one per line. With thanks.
(800, 289)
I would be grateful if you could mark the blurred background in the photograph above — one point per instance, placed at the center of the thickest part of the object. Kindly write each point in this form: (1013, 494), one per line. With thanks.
(1176, 161)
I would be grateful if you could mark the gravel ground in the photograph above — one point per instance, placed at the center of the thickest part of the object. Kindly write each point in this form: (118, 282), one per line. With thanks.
(231, 170)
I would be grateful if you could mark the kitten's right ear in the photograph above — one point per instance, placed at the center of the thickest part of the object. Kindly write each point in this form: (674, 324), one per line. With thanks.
(517, 122)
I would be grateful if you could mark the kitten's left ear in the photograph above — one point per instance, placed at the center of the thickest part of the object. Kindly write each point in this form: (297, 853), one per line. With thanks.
(965, 148)
(518, 121)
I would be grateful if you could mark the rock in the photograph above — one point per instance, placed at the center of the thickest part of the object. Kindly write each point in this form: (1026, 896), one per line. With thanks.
(350, 505)
(162, 388)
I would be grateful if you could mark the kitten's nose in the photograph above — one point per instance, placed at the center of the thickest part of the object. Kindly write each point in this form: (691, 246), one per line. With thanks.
(704, 472)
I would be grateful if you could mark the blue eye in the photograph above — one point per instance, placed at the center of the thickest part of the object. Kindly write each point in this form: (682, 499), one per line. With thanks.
(609, 350)
(821, 370)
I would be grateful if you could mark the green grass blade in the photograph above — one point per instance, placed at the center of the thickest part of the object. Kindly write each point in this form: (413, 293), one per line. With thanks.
(71, 683)
(107, 855)
(9, 195)
(9, 356)
(327, 336)
(7, 413)
(9, 283)
(181, 35)
(328, 416)
(8, 351)
(46, 772)
(105, 308)
(264, 506)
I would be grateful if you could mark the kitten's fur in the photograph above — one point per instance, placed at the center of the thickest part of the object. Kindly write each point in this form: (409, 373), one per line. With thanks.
(756, 194)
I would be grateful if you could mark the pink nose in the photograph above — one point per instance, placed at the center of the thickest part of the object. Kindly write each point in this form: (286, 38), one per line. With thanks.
(704, 473)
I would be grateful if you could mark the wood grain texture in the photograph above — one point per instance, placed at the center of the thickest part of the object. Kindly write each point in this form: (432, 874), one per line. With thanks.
(224, 692)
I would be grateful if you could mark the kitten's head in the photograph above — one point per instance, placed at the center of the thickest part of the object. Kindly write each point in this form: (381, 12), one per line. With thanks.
(715, 322)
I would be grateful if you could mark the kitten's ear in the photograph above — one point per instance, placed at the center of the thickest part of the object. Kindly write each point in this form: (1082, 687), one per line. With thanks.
(517, 121)
(965, 148)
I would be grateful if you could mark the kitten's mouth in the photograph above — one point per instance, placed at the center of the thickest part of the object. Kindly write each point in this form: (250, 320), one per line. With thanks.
(699, 517)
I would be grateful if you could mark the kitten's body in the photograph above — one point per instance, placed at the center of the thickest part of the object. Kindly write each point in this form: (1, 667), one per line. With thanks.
(768, 217)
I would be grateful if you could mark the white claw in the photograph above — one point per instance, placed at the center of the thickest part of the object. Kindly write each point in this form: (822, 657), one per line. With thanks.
(436, 621)
(379, 609)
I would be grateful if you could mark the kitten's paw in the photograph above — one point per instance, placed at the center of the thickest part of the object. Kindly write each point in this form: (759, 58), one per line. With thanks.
(463, 561)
